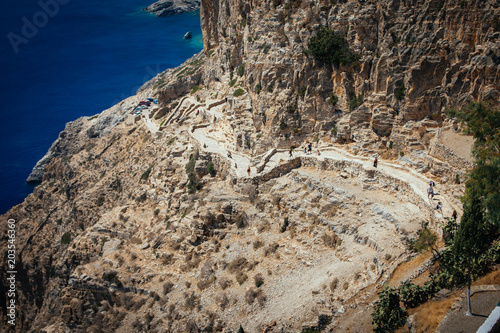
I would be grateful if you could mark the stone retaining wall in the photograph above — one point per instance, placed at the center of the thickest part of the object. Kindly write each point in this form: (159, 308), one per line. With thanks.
(280, 170)
(213, 105)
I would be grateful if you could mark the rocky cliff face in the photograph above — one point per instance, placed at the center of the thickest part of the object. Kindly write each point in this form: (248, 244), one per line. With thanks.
(444, 54)
(146, 224)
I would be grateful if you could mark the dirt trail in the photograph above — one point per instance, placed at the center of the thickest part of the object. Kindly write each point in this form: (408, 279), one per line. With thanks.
(212, 138)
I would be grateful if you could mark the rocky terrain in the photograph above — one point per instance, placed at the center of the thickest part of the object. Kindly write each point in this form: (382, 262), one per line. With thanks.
(172, 7)
(152, 222)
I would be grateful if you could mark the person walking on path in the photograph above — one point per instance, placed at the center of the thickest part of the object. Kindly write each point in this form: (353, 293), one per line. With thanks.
(309, 147)
(439, 207)
(375, 162)
(454, 215)
(291, 150)
(248, 171)
(430, 192)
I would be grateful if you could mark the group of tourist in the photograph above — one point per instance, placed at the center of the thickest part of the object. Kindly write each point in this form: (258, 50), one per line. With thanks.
(307, 150)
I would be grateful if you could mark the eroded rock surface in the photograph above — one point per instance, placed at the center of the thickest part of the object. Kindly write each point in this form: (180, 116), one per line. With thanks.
(205, 212)
(172, 7)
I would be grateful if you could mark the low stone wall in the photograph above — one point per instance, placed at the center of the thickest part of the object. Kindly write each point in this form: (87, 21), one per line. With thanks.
(195, 127)
(217, 103)
(267, 157)
(444, 153)
(280, 170)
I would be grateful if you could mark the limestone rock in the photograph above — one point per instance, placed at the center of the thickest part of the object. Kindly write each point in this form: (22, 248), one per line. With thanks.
(171, 7)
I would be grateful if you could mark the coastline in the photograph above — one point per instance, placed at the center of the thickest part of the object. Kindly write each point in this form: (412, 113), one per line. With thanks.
(60, 94)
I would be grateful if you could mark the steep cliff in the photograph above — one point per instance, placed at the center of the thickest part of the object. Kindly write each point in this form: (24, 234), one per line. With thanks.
(152, 223)
(442, 53)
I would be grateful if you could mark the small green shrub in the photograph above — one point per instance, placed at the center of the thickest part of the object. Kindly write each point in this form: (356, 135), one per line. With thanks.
(238, 92)
(426, 239)
(283, 125)
(401, 153)
(195, 89)
(194, 183)
(142, 197)
(391, 144)
(211, 168)
(333, 99)
(334, 130)
(399, 93)
(169, 143)
(241, 70)
(66, 238)
(259, 280)
(232, 82)
(258, 88)
(112, 277)
(146, 173)
(354, 101)
(100, 201)
(302, 91)
(387, 313)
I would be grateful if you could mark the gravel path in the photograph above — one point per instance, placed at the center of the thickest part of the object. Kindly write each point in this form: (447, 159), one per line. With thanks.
(212, 137)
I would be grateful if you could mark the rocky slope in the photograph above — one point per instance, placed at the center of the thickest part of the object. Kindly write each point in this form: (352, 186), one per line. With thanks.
(169, 7)
(145, 224)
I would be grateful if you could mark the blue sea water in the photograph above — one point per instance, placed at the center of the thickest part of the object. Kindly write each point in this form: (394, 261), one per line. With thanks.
(78, 58)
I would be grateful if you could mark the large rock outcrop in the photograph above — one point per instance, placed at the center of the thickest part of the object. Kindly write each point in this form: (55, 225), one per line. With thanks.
(439, 54)
(172, 7)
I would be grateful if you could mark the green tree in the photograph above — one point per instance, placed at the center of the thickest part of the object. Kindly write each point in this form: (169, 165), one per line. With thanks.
(413, 295)
(388, 315)
(483, 122)
(471, 243)
(331, 47)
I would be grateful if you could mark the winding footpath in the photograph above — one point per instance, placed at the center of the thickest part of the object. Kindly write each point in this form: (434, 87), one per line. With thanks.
(211, 139)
